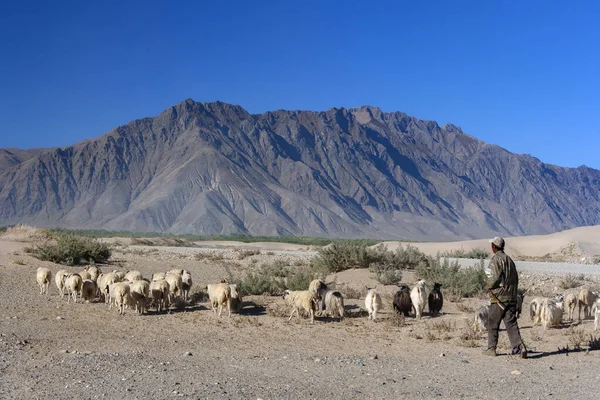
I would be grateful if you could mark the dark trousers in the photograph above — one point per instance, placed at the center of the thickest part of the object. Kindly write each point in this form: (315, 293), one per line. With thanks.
(509, 315)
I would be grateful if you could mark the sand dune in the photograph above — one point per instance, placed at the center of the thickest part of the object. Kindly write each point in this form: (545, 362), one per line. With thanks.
(573, 243)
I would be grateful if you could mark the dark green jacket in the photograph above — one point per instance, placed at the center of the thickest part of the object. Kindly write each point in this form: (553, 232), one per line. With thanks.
(505, 280)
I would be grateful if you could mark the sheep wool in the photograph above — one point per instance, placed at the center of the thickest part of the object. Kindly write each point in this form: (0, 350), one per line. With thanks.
(43, 277)
(373, 303)
(402, 302)
(301, 300)
(418, 295)
(219, 294)
(88, 290)
(435, 300)
(159, 291)
(60, 282)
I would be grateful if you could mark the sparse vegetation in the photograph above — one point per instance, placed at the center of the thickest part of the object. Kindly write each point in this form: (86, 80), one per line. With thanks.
(469, 335)
(396, 320)
(570, 281)
(26, 233)
(245, 253)
(208, 255)
(70, 249)
(273, 278)
(467, 282)
(462, 307)
(577, 337)
(462, 253)
(340, 256)
(18, 261)
(386, 274)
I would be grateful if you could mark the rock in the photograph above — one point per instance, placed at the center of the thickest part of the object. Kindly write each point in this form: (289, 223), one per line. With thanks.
(516, 372)
(442, 355)
(187, 353)
(60, 318)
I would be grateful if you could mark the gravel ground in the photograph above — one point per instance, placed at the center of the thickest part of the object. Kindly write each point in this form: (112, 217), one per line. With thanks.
(52, 349)
(554, 268)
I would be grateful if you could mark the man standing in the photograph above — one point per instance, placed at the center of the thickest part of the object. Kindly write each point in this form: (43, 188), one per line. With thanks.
(502, 285)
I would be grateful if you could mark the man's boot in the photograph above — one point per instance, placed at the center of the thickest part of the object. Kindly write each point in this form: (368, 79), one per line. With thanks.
(491, 351)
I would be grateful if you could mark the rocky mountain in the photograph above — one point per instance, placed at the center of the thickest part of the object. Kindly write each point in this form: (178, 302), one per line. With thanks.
(213, 168)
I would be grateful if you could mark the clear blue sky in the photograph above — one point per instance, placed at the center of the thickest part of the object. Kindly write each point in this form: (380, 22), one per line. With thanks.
(520, 74)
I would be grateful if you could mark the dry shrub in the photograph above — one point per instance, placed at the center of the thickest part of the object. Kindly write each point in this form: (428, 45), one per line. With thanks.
(19, 262)
(71, 249)
(469, 334)
(245, 253)
(208, 255)
(26, 233)
(571, 281)
(396, 320)
(442, 326)
(197, 295)
(462, 307)
(577, 337)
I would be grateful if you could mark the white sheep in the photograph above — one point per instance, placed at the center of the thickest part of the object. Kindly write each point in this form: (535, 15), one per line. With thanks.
(219, 294)
(94, 273)
(140, 291)
(328, 301)
(88, 290)
(132, 276)
(551, 313)
(186, 283)
(570, 304)
(43, 277)
(120, 293)
(73, 285)
(85, 274)
(418, 296)
(534, 309)
(105, 281)
(120, 275)
(159, 276)
(585, 299)
(301, 300)
(596, 313)
(60, 282)
(373, 303)
(159, 291)
(174, 286)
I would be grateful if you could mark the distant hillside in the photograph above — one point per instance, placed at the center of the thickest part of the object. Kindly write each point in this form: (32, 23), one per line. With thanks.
(213, 168)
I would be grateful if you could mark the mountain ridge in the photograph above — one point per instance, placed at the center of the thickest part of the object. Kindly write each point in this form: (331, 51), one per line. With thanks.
(214, 168)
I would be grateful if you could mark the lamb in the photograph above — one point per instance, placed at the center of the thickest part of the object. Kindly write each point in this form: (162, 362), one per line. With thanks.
(301, 300)
(435, 300)
(60, 283)
(402, 302)
(551, 313)
(73, 285)
(373, 303)
(174, 286)
(132, 276)
(140, 291)
(236, 298)
(418, 295)
(43, 277)
(186, 284)
(219, 294)
(88, 290)
(570, 304)
(159, 291)
(585, 299)
(596, 313)
(120, 292)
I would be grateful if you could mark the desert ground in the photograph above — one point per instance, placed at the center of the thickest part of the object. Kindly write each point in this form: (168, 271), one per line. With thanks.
(53, 349)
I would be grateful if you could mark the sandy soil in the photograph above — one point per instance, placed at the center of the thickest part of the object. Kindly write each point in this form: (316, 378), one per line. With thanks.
(573, 244)
(53, 349)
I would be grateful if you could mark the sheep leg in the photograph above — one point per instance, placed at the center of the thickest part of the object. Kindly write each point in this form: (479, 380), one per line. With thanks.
(312, 316)
(292, 314)
(229, 306)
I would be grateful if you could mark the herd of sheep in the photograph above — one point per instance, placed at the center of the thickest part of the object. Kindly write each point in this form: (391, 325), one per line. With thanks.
(131, 290)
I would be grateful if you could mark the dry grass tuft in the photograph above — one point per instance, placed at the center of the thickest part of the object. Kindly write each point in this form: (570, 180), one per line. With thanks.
(577, 337)
(462, 307)
(396, 320)
(469, 335)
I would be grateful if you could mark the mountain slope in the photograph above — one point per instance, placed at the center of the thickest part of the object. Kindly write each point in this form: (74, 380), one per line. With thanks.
(209, 168)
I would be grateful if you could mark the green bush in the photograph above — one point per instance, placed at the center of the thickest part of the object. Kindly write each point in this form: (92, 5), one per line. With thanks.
(273, 278)
(343, 255)
(386, 274)
(473, 253)
(466, 282)
(71, 250)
